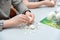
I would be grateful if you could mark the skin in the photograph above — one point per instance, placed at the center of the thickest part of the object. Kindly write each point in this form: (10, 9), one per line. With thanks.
(49, 4)
(38, 4)
(19, 19)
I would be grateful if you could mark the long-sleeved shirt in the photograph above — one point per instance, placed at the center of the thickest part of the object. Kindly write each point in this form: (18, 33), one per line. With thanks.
(5, 9)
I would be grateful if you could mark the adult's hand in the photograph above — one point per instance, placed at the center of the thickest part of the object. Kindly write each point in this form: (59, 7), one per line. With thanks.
(19, 19)
(31, 16)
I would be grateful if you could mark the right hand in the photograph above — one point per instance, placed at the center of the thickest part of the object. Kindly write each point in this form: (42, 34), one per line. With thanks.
(31, 17)
(19, 19)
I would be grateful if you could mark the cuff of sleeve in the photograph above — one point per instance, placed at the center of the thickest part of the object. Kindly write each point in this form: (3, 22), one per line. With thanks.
(1, 24)
(26, 11)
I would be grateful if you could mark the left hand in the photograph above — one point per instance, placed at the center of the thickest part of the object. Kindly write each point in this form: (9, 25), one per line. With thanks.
(31, 16)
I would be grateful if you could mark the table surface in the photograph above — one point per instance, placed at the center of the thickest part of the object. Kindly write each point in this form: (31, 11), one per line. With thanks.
(44, 32)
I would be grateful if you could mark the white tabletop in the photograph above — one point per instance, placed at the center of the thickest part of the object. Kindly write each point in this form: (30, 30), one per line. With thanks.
(44, 32)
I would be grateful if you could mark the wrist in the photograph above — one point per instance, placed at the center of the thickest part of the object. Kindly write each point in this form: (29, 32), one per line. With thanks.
(5, 23)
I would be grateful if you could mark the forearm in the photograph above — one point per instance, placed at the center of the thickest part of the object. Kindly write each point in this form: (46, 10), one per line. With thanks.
(8, 23)
(5, 24)
(34, 4)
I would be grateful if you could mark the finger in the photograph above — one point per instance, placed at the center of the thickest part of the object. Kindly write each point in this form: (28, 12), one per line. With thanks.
(24, 21)
(24, 17)
(21, 20)
(32, 16)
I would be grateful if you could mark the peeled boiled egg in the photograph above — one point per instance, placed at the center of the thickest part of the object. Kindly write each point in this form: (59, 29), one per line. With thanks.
(51, 15)
(52, 2)
(58, 17)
